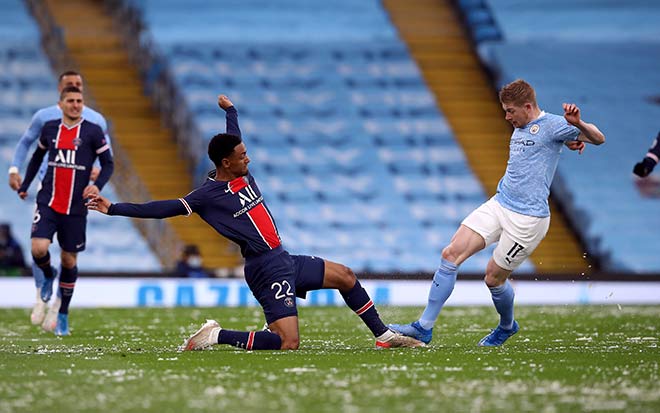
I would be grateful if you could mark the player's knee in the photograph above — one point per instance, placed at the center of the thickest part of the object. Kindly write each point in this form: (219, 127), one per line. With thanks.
(39, 251)
(68, 264)
(450, 253)
(68, 260)
(347, 277)
(494, 279)
(290, 343)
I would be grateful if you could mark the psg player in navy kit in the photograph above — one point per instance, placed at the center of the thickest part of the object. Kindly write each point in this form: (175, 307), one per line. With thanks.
(72, 144)
(230, 202)
(31, 135)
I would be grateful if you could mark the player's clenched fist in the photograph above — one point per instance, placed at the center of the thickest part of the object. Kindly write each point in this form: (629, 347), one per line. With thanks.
(224, 102)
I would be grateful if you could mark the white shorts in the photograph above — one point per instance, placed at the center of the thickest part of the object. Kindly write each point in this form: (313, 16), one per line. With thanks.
(518, 234)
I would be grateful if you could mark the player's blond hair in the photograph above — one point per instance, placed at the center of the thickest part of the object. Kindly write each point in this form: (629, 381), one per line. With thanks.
(518, 93)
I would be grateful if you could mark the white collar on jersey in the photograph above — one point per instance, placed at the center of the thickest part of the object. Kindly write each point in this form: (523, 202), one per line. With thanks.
(542, 114)
(72, 126)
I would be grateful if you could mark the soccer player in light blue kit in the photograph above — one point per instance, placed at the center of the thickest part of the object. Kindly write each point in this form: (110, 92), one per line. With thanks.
(517, 217)
(43, 283)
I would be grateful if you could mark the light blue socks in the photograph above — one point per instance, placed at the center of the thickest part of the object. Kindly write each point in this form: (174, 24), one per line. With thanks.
(441, 288)
(38, 275)
(503, 300)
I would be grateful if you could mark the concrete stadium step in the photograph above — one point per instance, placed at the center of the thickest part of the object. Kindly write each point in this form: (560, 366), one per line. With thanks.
(435, 60)
(463, 92)
(92, 44)
(108, 58)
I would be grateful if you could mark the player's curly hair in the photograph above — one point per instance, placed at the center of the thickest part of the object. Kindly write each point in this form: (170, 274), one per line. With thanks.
(518, 93)
(221, 146)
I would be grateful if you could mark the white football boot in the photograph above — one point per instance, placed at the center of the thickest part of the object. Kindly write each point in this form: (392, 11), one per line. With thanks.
(395, 340)
(203, 338)
(50, 322)
(39, 310)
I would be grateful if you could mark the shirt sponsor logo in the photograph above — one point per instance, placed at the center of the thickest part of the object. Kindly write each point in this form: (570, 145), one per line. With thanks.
(527, 142)
(66, 158)
(518, 146)
(248, 200)
(250, 197)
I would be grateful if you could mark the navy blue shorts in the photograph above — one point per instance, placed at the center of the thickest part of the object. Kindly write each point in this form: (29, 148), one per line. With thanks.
(276, 279)
(70, 228)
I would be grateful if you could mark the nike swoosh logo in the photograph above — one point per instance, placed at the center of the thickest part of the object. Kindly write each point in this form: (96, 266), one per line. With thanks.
(80, 245)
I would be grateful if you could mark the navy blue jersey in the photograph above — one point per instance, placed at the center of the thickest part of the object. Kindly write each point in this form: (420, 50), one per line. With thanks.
(71, 153)
(236, 209)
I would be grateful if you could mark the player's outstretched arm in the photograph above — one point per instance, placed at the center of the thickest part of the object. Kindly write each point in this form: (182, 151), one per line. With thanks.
(154, 209)
(231, 116)
(589, 132)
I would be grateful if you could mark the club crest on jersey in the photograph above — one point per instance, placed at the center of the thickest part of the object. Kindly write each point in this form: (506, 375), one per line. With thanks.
(288, 302)
(77, 142)
(534, 129)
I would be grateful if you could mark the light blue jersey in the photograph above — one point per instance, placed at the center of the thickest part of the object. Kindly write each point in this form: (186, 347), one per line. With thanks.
(33, 132)
(533, 158)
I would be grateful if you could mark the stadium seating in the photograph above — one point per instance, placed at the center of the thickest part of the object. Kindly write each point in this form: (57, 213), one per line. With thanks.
(26, 85)
(603, 56)
(357, 163)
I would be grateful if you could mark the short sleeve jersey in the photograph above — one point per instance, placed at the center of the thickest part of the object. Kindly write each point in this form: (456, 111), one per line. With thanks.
(534, 152)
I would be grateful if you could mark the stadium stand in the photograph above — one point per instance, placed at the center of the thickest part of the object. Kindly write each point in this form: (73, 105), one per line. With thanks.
(605, 57)
(356, 161)
(27, 84)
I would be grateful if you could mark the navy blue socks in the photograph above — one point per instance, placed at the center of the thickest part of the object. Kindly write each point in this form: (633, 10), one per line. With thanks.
(44, 264)
(358, 300)
(252, 340)
(68, 279)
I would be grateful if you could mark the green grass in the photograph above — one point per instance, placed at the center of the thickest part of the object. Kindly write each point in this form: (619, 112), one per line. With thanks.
(565, 359)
